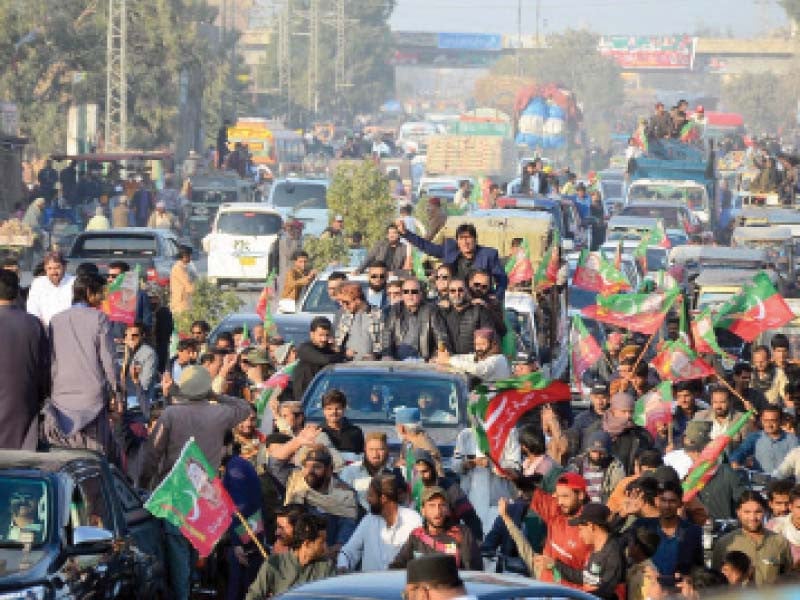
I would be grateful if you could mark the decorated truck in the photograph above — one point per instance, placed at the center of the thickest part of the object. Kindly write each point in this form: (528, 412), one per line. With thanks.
(547, 116)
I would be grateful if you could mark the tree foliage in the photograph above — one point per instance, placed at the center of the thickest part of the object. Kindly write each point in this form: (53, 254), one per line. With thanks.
(323, 252)
(572, 59)
(209, 303)
(792, 8)
(766, 100)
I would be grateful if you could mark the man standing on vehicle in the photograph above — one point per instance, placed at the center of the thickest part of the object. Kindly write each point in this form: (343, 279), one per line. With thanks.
(359, 331)
(390, 251)
(52, 292)
(314, 355)
(463, 255)
(298, 277)
(413, 328)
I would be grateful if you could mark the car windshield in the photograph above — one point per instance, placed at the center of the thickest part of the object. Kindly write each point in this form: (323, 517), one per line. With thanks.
(712, 300)
(695, 198)
(98, 245)
(299, 195)
(374, 397)
(249, 223)
(668, 214)
(26, 511)
(215, 197)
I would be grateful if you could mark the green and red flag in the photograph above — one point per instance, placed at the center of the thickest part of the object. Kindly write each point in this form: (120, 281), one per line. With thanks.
(121, 296)
(245, 341)
(757, 308)
(705, 340)
(596, 274)
(690, 132)
(273, 387)
(416, 264)
(519, 268)
(584, 349)
(413, 480)
(495, 414)
(263, 309)
(193, 499)
(654, 407)
(547, 271)
(706, 465)
(656, 237)
(640, 137)
(643, 313)
(678, 362)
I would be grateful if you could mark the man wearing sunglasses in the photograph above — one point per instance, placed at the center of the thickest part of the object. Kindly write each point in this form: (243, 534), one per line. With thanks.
(462, 318)
(378, 274)
(413, 327)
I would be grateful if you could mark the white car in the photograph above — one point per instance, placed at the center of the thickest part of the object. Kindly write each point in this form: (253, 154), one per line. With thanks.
(243, 244)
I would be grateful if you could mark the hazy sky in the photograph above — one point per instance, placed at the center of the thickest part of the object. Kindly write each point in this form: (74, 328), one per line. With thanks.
(743, 17)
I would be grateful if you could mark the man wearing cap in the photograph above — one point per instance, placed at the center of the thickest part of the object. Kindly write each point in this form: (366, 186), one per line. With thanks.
(436, 575)
(160, 218)
(599, 467)
(383, 531)
(196, 413)
(52, 292)
(461, 508)
(317, 487)
(359, 332)
(627, 438)
(376, 462)
(588, 420)
(335, 229)
(438, 535)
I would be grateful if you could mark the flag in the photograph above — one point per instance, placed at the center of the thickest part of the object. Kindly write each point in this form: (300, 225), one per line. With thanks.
(416, 264)
(547, 270)
(757, 308)
(705, 340)
(596, 274)
(640, 136)
(273, 387)
(584, 349)
(706, 465)
(690, 132)
(494, 418)
(654, 407)
(192, 498)
(678, 362)
(245, 342)
(413, 481)
(174, 339)
(643, 313)
(262, 306)
(256, 523)
(519, 267)
(508, 345)
(120, 302)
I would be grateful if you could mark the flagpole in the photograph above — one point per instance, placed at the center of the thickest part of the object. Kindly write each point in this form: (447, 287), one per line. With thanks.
(251, 533)
(644, 351)
(733, 391)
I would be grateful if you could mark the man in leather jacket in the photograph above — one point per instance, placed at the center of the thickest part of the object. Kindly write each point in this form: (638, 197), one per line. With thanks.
(413, 328)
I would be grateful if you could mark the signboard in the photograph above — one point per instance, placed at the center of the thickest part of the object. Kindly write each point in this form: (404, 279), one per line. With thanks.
(9, 118)
(81, 128)
(470, 41)
(649, 52)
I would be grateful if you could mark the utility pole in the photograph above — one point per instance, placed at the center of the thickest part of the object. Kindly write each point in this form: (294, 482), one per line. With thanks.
(116, 134)
(338, 75)
(284, 56)
(313, 56)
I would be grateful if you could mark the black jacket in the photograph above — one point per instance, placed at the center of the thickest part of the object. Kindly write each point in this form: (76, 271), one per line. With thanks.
(311, 360)
(460, 327)
(431, 332)
(690, 543)
(380, 251)
(627, 445)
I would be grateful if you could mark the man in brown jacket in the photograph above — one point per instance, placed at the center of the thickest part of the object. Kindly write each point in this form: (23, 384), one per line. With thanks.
(120, 215)
(181, 282)
(298, 277)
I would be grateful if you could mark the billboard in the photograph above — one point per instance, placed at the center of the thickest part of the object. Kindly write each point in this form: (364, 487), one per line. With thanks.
(470, 41)
(650, 52)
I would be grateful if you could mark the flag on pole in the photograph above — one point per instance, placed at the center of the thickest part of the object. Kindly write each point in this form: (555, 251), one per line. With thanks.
(596, 274)
(618, 257)
(416, 264)
(413, 481)
(643, 313)
(263, 309)
(584, 349)
(654, 407)
(656, 237)
(547, 271)
(690, 132)
(273, 388)
(120, 302)
(757, 308)
(245, 342)
(519, 268)
(193, 499)
(705, 340)
(494, 418)
(678, 362)
(706, 465)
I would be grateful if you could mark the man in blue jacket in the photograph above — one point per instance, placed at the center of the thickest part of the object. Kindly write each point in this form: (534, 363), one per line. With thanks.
(463, 255)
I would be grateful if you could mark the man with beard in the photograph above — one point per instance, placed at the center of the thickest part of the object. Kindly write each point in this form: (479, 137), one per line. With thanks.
(742, 378)
(51, 293)
(390, 252)
(286, 518)
(380, 535)
(788, 525)
(599, 468)
(461, 318)
(316, 487)
(377, 275)
(487, 363)
(585, 422)
(438, 535)
(413, 328)
(376, 462)
(479, 283)
(314, 355)
(721, 416)
(766, 378)
(460, 507)
(627, 439)
(769, 552)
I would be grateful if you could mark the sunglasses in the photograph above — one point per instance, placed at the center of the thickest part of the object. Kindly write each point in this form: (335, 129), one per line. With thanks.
(377, 276)
(443, 277)
(411, 292)
(480, 286)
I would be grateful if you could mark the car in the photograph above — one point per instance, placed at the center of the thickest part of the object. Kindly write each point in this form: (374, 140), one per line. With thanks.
(91, 536)
(655, 258)
(288, 328)
(153, 250)
(376, 389)
(305, 200)
(390, 585)
(243, 244)
(678, 220)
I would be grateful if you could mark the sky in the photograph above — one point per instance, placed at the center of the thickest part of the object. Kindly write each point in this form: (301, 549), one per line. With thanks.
(744, 18)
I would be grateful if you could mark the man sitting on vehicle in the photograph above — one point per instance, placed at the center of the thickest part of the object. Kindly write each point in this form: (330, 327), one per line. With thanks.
(488, 363)
(413, 329)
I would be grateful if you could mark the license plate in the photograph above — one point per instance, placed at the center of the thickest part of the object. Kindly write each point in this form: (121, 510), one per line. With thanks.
(247, 261)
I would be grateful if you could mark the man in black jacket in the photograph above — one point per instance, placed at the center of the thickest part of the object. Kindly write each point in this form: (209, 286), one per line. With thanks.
(390, 251)
(314, 355)
(413, 328)
(461, 318)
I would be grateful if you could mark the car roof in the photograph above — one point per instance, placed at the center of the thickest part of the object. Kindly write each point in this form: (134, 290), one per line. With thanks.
(321, 181)
(724, 277)
(698, 253)
(50, 461)
(122, 231)
(758, 233)
(541, 215)
(634, 221)
(393, 366)
(247, 206)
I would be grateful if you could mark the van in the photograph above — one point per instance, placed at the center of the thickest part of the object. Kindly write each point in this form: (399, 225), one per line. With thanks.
(305, 200)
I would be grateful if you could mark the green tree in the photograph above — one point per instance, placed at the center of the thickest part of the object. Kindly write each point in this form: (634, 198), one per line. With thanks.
(209, 303)
(572, 59)
(792, 8)
(765, 100)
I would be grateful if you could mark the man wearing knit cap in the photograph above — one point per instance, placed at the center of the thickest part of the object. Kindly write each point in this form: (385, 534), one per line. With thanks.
(599, 467)
(627, 438)
(437, 575)
(487, 363)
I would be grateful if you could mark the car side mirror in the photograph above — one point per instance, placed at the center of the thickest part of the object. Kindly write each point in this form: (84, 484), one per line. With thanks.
(86, 535)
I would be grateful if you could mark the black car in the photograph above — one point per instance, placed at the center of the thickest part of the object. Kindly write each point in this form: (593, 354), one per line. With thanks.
(390, 585)
(71, 526)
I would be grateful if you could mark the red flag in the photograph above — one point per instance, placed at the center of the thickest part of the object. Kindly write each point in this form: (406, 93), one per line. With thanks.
(595, 274)
(644, 313)
(757, 308)
(678, 362)
(585, 351)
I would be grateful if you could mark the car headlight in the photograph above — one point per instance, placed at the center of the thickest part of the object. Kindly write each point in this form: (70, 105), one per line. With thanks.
(36, 592)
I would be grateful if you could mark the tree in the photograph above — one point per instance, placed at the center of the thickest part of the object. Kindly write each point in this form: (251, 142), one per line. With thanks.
(792, 8)
(765, 100)
(573, 60)
(209, 303)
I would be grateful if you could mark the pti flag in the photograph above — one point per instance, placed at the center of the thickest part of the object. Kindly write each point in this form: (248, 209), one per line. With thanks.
(120, 302)
(192, 498)
(643, 313)
(494, 417)
(654, 407)
(678, 362)
(262, 306)
(757, 308)
(273, 388)
(519, 268)
(596, 274)
(585, 351)
(547, 271)
(705, 340)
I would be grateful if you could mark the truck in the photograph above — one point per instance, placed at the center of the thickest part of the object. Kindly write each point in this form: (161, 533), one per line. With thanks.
(474, 155)
(546, 116)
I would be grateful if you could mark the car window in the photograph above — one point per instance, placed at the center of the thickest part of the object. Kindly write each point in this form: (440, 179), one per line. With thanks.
(249, 223)
(668, 214)
(299, 195)
(215, 197)
(89, 506)
(376, 397)
(24, 513)
(318, 301)
(115, 245)
(128, 497)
